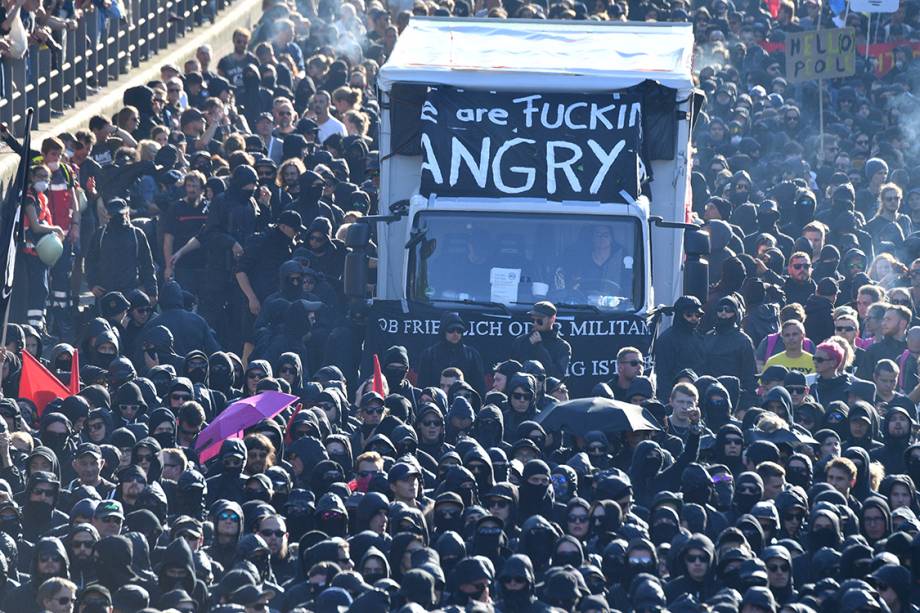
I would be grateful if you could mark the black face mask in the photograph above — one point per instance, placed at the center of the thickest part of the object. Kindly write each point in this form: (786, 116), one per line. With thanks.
(247, 193)
(487, 543)
(489, 433)
(799, 477)
(822, 537)
(165, 439)
(516, 599)
(663, 532)
(55, 440)
(744, 502)
(372, 578)
(198, 374)
(464, 598)
(13, 527)
(539, 547)
(259, 494)
(298, 524)
(444, 522)
(394, 377)
(572, 558)
(343, 459)
(531, 497)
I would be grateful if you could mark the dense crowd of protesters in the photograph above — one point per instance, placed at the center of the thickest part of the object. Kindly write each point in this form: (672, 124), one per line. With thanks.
(207, 216)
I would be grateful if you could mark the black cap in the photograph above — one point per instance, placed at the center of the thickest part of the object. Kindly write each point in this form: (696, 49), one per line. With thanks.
(307, 126)
(131, 598)
(116, 205)
(292, 219)
(113, 303)
(401, 471)
(88, 448)
(774, 373)
(544, 308)
(828, 287)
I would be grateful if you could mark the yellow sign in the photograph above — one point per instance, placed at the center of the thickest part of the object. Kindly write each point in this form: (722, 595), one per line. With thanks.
(827, 54)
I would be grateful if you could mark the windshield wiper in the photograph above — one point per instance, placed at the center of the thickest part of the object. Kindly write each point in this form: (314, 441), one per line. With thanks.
(469, 301)
(578, 307)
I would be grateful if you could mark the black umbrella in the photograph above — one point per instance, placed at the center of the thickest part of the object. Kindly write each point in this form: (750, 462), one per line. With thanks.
(584, 415)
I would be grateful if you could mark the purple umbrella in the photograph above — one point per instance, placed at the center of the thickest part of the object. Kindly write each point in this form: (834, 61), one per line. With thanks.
(240, 415)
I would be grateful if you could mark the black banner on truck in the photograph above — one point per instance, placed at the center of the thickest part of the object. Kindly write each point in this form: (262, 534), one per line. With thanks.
(558, 146)
(595, 337)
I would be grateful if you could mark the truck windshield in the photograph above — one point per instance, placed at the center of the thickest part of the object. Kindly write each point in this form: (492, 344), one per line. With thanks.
(508, 258)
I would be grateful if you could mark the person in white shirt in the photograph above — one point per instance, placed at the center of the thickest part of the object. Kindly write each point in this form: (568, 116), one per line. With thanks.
(328, 125)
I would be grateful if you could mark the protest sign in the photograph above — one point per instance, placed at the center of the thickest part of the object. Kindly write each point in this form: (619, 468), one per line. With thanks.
(825, 54)
(553, 146)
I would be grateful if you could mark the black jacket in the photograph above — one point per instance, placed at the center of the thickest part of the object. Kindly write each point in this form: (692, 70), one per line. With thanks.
(119, 259)
(729, 351)
(444, 354)
(678, 347)
(553, 352)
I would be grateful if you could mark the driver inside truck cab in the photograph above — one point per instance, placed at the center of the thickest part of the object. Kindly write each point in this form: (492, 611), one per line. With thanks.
(603, 265)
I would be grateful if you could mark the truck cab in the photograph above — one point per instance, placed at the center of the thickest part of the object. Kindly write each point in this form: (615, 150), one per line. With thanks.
(528, 160)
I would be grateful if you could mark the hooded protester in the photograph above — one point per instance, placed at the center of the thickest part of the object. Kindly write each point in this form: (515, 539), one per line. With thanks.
(49, 559)
(896, 431)
(39, 500)
(228, 483)
(521, 405)
(696, 569)
(728, 350)
(680, 346)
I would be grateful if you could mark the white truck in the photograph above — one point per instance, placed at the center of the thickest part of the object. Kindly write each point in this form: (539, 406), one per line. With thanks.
(527, 160)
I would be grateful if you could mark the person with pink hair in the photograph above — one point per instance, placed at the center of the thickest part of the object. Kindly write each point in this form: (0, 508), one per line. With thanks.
(832, 359)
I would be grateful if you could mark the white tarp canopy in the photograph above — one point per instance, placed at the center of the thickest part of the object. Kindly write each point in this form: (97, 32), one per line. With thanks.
(549, 55)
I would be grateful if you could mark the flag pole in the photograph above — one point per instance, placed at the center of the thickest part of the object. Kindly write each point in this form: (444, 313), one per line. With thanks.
(22, 175)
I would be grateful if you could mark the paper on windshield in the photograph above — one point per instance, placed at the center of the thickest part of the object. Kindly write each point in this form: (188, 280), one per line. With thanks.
(504, 282)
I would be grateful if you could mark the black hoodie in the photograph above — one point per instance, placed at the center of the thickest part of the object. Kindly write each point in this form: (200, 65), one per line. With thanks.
(679, 347)
(683, 583)
(728, 350)
(23, 598)
(178, 555)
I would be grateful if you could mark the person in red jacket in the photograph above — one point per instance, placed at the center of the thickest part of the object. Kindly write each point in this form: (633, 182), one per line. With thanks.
(30, 291)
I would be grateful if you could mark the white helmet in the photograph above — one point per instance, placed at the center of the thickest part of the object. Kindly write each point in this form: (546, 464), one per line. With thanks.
(49, 249)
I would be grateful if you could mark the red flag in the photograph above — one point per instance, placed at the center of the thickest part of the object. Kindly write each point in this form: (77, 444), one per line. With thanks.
(38, 384)
(75, 373)
(773, 7)
(378, 377)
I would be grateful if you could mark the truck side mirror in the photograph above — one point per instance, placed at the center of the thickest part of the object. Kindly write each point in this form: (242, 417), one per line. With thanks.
(355, 274)
(358, 235)
(355, 278)
(696, 265)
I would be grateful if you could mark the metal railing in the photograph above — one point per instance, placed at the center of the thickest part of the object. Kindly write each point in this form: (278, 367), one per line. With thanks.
(52, 82)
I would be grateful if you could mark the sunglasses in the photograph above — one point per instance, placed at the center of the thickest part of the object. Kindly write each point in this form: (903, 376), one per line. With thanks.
(82, 544)
(331, 516)
(367, 473)
(499, 504)
(287, 370)
(46, 493)
(820, 360)
(796, 389)
(432, 423)
(276, 533)
(181, 397)
(373, 410)
(225, 515)
(725, 309)
(256, 375)
(578, 519)
(696, 558)
(519, 396)
(455, 330)
(778, 568)
(734, 441)
(801, 266)
(632, 363)
(96, 426)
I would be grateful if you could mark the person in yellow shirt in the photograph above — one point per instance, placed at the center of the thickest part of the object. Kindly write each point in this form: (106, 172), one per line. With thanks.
(794, 357)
